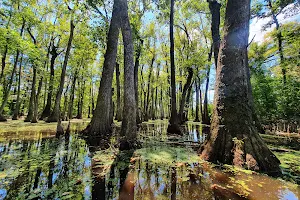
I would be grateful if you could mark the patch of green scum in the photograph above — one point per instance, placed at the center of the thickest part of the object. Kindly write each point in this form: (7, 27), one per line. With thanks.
(290, 163)
(168, 155)
(20, 125)
(242, 187)
(104, 159)
(236, 170)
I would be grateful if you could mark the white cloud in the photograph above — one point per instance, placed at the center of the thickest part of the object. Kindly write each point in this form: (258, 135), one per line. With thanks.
(256, 26)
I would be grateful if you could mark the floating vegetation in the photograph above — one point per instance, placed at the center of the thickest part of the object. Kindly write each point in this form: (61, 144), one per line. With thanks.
(36, 165)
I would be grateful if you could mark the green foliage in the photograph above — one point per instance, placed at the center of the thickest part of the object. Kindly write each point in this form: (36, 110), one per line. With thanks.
(273, 99)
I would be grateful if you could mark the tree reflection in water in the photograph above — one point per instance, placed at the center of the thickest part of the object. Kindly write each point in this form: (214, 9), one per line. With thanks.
(44, 167)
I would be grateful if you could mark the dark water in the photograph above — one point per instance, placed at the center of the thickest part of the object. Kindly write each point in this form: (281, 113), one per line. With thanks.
(36, 165)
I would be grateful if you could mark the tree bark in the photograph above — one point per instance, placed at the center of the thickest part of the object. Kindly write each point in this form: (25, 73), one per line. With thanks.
(184, 93)
(136, 79)
(29, 116)
(197, 101)
(36, 102)
(152, 108)
(174, 122)
(128, 128)
(234, 138)
(119, 108)
(17, 109)
(188, 101)
(146, 111)
(47, 110)
(279, 38)
(100, 124)
(80, 101)
(205, 116)
(162, 113)
(56, 110)
(200, 103)
(214, 8)
(70, 110)
(63, 114)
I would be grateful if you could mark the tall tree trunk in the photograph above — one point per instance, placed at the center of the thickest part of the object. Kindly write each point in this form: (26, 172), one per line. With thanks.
(184, 93)
(143, 96)
(148, 89)
(205, 116)
(119, 108)
(234, 138)
(136, 79)
(156, 93)
(56, 110)
(64, 114)
(169, 91)
(279, 38)
(152, 108)
(70, 110)
(214, 8)
(162, 113)
(174, 122)
(100, 124)
(197, 101)
(36, 102)
(17, 109)
(200, 103)
(47, 110)
(29, 116)
(80, 101)
(188, 101)
(128, 128)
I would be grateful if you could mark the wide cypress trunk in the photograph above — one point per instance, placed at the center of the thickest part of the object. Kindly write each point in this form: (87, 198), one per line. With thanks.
(56, 110)
(184, 94)
(119, 109)
(128, 128)
(174, 121)
(234, 138)
(101, 124)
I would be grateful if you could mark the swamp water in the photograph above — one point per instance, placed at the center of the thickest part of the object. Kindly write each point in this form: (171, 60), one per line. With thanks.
(37, 165)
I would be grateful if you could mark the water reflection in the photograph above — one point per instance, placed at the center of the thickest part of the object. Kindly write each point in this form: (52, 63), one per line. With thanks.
(41, 166)
(44, 168)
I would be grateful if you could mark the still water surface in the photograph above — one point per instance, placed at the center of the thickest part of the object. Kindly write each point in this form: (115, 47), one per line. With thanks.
(36, 165)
